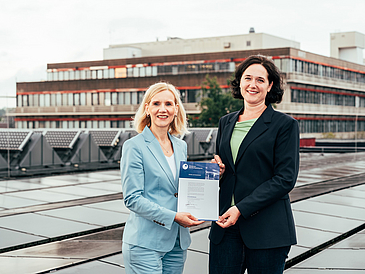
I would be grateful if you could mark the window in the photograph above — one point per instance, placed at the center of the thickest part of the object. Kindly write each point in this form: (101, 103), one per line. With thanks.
(19, 101)
(136, 72)
(47, 100)
(36, 100)
(134, 98)
(127, 98)
(148, 71)
(95, 99)
(58, 99)
(49, 76)
(140, 96)
(82, 74)
(88, 74)
(72, 75)
(60, 76)
(76, 99)
(93, 74)
(53, 99)
(66, 75)
(129, 72)
(100, 74)
(105, 73)
(26, 100)
(41, 100)
(70, 99)
(107, 101)
(154, 71)
(121, 98)
(114, 98)
(111, 73)
(83, 99)
(64, 99)
(142, 72)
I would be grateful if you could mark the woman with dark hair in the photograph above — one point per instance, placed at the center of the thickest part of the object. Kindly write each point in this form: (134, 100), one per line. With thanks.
(258, 153)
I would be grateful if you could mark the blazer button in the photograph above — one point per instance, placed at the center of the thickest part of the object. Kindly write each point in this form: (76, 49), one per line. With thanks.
(175, 194)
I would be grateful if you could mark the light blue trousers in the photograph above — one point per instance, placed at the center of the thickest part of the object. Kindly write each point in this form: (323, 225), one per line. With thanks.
(140, 260)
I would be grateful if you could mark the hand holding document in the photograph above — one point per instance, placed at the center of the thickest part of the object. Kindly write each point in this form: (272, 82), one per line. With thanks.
(199, 190)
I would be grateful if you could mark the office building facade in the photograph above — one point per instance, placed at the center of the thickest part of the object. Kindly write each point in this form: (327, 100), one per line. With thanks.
(325, 94)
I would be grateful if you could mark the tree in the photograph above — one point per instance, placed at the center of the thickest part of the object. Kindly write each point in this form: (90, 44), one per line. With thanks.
(214, 104)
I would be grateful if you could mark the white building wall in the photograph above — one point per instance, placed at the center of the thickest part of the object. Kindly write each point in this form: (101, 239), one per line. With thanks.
(348, 46)
(201, 45)
(351, 54)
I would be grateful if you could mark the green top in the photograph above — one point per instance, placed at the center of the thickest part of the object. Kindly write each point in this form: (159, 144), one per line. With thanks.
(239, 133)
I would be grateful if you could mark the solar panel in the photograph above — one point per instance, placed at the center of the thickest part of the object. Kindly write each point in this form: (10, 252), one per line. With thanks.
(132, 132)
(107, 138)
(62, 138)
(14, 139)
(203, 135)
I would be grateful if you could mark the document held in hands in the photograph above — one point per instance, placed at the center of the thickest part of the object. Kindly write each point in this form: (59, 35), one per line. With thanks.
(199, 190)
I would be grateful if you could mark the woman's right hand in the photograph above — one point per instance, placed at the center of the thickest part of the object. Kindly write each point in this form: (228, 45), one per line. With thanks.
(185, 219)
(218, 160)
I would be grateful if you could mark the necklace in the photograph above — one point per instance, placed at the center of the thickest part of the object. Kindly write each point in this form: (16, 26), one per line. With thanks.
(167, 151)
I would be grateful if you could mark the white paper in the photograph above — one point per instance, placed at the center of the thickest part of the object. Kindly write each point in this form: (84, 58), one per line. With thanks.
(199, 190)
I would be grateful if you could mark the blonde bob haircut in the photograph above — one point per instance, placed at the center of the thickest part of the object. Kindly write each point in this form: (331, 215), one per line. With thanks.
(177, 126)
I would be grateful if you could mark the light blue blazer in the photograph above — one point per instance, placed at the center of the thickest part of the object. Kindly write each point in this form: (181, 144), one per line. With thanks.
(148, 189)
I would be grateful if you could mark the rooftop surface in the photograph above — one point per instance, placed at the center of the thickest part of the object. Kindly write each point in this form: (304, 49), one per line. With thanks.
(74, 223)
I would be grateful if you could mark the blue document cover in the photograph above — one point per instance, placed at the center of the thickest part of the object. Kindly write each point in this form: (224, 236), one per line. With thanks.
(198, 170)
(199, 190)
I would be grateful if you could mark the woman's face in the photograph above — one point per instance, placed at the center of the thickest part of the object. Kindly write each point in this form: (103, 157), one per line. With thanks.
(162, 109)
(255, 85)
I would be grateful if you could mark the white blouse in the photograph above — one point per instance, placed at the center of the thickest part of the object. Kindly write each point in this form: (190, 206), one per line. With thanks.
(171, 161)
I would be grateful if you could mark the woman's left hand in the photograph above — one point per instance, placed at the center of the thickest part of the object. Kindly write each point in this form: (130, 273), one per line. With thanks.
(218, 160)
(229, 218)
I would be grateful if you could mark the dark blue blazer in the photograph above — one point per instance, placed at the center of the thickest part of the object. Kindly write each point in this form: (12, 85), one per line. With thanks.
(265, 172)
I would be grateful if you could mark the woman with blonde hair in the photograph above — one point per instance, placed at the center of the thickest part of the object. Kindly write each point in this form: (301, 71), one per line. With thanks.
(156, 236)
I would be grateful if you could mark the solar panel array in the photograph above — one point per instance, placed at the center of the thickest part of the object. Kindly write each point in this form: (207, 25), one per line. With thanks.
(107, 138)
(202, 134)
(13, 140)
(61, 139)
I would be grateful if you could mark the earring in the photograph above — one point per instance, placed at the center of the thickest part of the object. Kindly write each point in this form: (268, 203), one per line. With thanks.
(148, 116)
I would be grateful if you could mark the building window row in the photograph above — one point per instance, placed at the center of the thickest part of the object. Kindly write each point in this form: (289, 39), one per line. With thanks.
(321, 126)
(94, 98)
(139, 71)
(300, 66)
(325, 98)
(74, 124)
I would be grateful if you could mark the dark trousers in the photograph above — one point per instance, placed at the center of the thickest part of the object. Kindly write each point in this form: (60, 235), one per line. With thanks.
(231, 256)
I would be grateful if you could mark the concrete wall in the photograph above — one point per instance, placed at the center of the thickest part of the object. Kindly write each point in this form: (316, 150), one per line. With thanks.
(203, 45)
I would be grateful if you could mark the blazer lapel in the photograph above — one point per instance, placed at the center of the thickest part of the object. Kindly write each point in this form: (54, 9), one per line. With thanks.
(179, 156)
(259, 127)
(226, 138)
(155, 148)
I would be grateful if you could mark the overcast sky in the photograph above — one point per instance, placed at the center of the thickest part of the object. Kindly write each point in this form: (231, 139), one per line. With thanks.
(36, 32)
